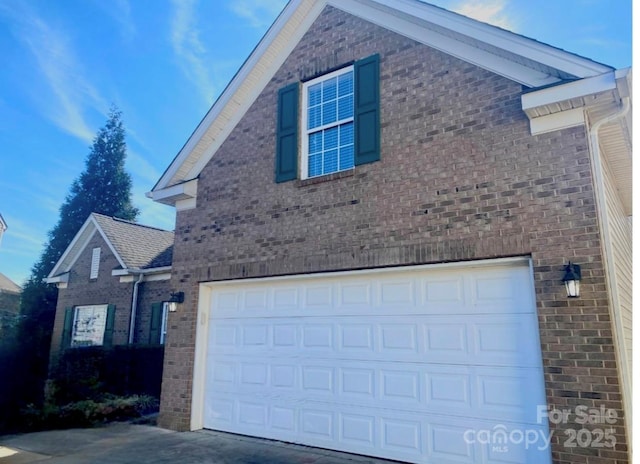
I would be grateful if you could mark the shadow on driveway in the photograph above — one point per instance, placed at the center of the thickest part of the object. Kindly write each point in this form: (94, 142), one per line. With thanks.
(123, 443)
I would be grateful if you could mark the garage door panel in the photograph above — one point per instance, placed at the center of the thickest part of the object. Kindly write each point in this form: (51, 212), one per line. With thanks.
(411, 435)
(464, 391)
(398, 363)
(475, 340)
(358, 429)
(447, 443)
(429, 293)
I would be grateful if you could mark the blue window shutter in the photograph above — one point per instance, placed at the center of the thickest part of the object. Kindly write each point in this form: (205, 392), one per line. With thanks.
(367, 110)
(67, 328)
(287, 134)
(156, 323)
(108, 329)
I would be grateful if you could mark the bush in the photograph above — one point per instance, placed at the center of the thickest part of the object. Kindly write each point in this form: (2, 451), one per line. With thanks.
(24, 357)
(93, 373)
(88, 413)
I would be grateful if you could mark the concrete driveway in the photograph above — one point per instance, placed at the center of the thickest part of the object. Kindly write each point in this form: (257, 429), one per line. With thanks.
(123, 443)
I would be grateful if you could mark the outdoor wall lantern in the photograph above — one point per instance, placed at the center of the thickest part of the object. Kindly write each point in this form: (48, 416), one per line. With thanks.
(571, 280)
(175, 299)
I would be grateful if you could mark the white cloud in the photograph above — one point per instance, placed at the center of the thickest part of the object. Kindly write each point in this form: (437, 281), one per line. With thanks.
(142, 171)
(488, 11)
(120, 12)
(70, 91)
(259, 13)
(21, 246)
(153, 213)
(191, 53)
(26, 235)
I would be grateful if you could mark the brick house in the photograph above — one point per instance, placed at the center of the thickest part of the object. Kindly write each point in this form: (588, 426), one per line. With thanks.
(10, 293)
(374, 221)
(9, 304)
(113, 281)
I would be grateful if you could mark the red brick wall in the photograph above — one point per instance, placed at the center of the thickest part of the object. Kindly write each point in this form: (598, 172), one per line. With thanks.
(460, 178)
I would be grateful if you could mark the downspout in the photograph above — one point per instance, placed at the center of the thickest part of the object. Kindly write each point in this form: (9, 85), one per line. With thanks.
(134, 306)
(608, 255)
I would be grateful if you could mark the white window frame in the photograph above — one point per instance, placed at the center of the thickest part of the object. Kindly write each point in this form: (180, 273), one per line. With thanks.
(163, 327)
(98, 340)
(95, 263)
(304, 161)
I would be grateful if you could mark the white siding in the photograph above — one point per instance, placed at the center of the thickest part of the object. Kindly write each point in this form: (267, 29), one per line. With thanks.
(620, 247)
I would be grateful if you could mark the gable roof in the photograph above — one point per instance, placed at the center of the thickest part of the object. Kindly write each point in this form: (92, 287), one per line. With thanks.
(136, 247)
(7, 285)
(533, 64)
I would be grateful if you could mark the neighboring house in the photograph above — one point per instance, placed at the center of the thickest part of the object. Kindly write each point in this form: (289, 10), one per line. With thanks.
(9, 303)
(113, 282)
(373, 225)
(3, 227)
(9, 295)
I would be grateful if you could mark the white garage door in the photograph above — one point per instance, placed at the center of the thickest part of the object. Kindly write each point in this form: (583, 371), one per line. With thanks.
(422, 364)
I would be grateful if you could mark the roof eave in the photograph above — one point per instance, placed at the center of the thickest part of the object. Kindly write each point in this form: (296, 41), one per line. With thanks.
(407, 17)
(186, 191)
(579, 102)
(138, 271)
(58, 279)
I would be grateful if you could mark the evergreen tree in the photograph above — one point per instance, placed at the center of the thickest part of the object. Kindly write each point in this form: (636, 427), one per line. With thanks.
(103, 187)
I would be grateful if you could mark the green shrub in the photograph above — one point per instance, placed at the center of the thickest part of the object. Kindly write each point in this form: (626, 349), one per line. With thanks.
(97, 372)
(89, 413)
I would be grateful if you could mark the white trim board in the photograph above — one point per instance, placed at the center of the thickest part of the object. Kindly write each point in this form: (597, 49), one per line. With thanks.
(469, 40)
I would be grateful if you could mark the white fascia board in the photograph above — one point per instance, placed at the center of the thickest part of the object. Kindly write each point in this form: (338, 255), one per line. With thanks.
(575, 89)
(138, 271)
(407, 17)
(481, 58)
(79, 243)
(188, 203)
(169, 195)
(75, 244)
(500, 38)
(62, 278)
(624, 81)
(557, 121)
(255, 74)
(157, 275)
(229, 93)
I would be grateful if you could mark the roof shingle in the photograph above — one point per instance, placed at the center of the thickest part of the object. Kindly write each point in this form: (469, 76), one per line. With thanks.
(139, 246)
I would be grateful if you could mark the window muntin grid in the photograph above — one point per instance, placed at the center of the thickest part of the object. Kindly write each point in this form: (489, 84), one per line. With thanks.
(328, 112)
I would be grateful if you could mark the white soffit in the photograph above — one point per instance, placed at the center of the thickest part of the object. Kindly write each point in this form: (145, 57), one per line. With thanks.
(516, 57)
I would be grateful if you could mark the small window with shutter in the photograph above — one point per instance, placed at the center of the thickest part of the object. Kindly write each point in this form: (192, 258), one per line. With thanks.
(89, 325)
(95, 263)
(337, 126)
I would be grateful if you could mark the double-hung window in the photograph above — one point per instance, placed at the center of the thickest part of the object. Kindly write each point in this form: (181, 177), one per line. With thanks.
(333, 126)
(327, 145)
(88, 325)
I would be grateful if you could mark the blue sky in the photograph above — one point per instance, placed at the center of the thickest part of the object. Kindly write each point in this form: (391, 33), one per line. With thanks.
(163, 63)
